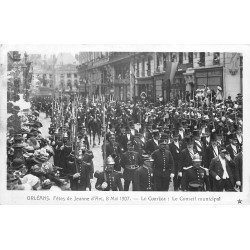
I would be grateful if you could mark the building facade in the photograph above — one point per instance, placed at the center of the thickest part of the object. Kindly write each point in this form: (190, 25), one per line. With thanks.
(57, 73)
(125, 75)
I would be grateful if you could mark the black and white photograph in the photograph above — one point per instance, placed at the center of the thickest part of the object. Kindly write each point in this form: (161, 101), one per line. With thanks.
(149, 121)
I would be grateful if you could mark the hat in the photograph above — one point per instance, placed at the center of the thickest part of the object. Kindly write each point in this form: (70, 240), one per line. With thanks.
(110, 160)
(213, 136)
(188, 139)
(196, 133)
(197, 158)
(17, 164)
(175, 133)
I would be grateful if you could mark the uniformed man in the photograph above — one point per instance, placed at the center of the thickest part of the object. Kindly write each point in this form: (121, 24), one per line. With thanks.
(195, 177)
(143, 178)
(113, 149)
(108, 180)
(163, 167)
(153, 143)
(130, 161)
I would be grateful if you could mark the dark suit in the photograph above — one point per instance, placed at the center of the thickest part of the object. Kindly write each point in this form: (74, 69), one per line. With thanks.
(139, 145)
(176, 153)
(215, 169)
(238, 168)
(143, 179)
(185, 159)
(232, 152)
(163, 167)
(122, 139)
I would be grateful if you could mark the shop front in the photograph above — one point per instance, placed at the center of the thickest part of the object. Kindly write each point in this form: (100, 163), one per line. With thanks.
(145, 85)
(209, 77)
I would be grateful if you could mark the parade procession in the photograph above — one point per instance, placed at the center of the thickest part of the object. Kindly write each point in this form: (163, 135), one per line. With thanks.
(74, 140)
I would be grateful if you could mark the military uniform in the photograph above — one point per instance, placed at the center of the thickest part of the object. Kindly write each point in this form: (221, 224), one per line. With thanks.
(163, 167)
(130, 161)
(143, 179)
(113, 180)
(195, 179)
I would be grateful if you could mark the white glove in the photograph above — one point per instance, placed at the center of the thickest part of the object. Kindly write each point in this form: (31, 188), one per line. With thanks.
(228, 157)
(62, 147)
(217, 177)
(238, 183)
(180, 174)
(76, 175)
(172, 175)
(104, 185)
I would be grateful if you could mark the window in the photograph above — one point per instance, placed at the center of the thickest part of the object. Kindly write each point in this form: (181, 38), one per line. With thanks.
(75, 75)
(201, 62)
(143, 67)
(137, 68)
(149, 67)
(181, 57)
(157, 60)
(164, 61)
(216, 59)
(190, 57)
(69, 75)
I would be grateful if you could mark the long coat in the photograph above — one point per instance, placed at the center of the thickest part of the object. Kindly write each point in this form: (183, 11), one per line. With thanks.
(127, 159)
(176, 153)
(143, 179)
(163, 163)
(216, 168)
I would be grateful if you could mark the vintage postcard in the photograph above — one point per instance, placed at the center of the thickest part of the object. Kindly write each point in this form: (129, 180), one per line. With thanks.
(86, 124)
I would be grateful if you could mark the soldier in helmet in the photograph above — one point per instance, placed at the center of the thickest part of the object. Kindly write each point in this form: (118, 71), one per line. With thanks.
(130, 161)
(195, 177)
(109, 179)
(143, 177)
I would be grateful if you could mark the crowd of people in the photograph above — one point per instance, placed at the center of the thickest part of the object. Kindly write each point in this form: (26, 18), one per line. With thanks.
(194, 144)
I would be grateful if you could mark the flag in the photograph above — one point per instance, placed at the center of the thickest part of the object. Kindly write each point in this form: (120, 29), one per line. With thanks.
(170, 71)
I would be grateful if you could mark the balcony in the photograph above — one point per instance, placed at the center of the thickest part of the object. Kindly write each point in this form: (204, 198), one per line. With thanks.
(121, 81)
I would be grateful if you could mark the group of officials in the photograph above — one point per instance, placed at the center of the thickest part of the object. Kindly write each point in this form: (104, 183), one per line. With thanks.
(195, 145)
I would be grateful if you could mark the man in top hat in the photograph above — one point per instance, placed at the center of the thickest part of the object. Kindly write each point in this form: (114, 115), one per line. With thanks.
(221, 170)
(130, 161)
(233, 148)
(187, 154)
(163, 167)
(175, 147)
(143, 178)
(109, 179)
(152, 144)
(195, 178)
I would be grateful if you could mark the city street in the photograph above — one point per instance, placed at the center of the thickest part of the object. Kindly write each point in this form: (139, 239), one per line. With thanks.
(97, 150)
